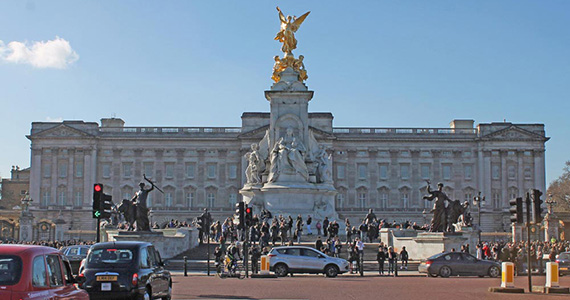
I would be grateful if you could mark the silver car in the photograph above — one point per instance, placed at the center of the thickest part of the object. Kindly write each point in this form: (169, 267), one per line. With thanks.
(299, 259)
(458, 263)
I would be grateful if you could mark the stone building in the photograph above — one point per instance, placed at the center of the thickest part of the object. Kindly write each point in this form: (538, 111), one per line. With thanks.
(196, 167)
(12, 191)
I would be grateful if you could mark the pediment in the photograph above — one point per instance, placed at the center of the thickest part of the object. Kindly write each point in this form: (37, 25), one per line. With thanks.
(513, 133)
(256, 133)
(62, 131)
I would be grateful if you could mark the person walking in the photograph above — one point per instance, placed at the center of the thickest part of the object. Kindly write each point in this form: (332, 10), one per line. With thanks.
(392, 260)
(308, 222)
(381, 258)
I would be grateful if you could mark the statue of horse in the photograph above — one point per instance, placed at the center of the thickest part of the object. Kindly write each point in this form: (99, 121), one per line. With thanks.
(128, 210)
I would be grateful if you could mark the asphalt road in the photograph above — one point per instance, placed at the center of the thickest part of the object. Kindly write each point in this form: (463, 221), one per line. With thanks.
(409, 286)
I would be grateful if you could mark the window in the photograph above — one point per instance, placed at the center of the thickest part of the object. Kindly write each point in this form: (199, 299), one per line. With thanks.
(211, 199)
(405, 171)
(511, 172)
(405, 199)
(383, 171)
(425, 169)
(11, 267)
(527, 153)
(106, 170)
(61, 197)
(425, 154)
(361, 172)
(62, 169)
(362, 153)
(47, 170)
(233, 200)
(55, 274)
(362, 199)
(468, 196)
(212, 170)
(78, 198)
(446, 170)
(148, 169)
(232, 171)
(190, 198)
(46, 198)
(169, 170)
(39, 272)
(127, 169)
(340, 200)
(495, 172)
(309, 253)
(511, 153)
(496, 199)
(527, 173)
(190, 170)
(383, 199)
(79, 169)
(144, 259)
(468, 171)
(405, 153)
(168, 199)
(446, 153)
(466, 153)
(513, 193)
(340, 171)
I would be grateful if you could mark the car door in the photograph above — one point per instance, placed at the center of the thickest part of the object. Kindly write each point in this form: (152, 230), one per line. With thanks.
(157, 283)
(40, 287)
(294, 259)
(458, 264)
(470, 264)
(163, 274)
(312, 260)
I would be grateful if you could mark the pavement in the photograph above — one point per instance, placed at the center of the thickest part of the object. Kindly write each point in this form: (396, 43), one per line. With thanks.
(411, 285)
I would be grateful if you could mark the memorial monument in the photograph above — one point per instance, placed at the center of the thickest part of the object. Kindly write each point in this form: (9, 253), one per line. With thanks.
(289, 170)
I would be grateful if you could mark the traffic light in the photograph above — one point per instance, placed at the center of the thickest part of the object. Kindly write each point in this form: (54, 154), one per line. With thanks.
(97, 195)
(240, 213)
(537, 204)
(106, 206)
(248, 216)
(516, 210)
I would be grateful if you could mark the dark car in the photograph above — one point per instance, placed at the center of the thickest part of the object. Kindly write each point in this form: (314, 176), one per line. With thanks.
(132, 270)
(35, 272)
(563, 260)
(459, 263)
(75, 254)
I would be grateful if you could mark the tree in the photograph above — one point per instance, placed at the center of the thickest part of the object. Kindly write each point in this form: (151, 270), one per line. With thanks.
(560, 190)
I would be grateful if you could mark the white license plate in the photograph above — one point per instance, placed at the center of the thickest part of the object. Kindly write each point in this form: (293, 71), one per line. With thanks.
(106, 286)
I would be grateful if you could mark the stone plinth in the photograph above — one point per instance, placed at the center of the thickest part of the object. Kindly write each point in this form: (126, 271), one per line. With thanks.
(169, 242)
(26, 228)
(421, 245)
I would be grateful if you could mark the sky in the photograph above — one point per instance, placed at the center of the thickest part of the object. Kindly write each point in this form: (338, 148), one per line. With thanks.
(202, 63)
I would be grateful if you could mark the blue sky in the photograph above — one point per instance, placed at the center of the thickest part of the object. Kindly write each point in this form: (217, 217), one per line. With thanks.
(203, 63)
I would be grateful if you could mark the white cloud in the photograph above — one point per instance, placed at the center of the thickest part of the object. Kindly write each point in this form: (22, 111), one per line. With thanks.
(58, 119)
(56, 53)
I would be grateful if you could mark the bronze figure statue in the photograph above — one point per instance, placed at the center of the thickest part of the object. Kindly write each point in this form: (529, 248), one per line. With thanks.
(439, 220)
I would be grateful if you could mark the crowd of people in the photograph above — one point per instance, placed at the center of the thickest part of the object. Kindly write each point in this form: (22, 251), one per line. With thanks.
(53, 244)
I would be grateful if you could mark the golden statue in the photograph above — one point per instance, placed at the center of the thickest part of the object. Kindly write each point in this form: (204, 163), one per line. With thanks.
(286, 35)
(289, 61)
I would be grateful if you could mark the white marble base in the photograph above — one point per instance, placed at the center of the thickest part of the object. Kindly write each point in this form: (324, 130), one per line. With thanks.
(169, 242)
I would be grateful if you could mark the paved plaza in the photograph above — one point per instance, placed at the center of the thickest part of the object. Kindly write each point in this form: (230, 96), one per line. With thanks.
(411, 285)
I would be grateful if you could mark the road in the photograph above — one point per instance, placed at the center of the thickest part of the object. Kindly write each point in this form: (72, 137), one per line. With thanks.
(410, 286)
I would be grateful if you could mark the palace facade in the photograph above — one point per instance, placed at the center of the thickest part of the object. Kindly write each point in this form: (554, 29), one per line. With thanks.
(381, 168)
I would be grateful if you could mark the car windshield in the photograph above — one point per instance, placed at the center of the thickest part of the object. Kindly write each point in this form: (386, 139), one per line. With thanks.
(564, 255)
(10, 269)
(109, 257)
(81, 251)
(435, 256)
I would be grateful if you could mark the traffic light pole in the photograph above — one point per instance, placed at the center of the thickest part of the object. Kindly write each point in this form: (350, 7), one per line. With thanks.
(529, 267)
(98, 229)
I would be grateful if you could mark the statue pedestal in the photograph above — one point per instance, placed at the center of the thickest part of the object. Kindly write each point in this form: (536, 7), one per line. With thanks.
(169, 242)
(26, 227)
(421, 245)
(551, 227)
(293, 199)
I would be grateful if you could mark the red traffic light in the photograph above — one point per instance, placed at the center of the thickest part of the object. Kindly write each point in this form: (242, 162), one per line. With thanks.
(248, 210)
(97, 188)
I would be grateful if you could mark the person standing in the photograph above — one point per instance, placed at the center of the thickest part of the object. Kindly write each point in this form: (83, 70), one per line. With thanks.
(318, 226)
(381, 258)
(309, 221)
(299, 228)
(255, 255)
(404, 258)
(392, 260)
(325, 226)
(319, 244)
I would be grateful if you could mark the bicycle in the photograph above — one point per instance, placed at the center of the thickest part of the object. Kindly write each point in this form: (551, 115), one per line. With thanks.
(230, 269)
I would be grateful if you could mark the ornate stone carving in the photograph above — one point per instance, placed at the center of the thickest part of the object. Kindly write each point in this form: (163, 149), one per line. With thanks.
(288, 157)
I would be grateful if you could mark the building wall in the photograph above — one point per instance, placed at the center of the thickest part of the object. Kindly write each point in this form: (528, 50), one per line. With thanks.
(381, 168)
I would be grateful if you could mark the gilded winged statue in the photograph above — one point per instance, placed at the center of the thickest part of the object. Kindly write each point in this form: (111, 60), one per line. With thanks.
(289, 25)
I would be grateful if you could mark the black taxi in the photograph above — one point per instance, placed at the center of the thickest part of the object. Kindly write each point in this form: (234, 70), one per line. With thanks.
(119, 270)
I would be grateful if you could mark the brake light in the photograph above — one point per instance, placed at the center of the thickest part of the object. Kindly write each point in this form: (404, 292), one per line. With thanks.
(429, 262)
(135, 280)
(557, 261)
(271, 255)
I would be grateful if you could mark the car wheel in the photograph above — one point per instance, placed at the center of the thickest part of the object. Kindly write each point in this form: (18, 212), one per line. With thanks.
(331, 271)
(445, 271)
(281, 270)
(494, 272)
(432, 275)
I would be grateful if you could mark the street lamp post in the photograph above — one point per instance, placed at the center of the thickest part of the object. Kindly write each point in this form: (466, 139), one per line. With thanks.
(477, 202)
